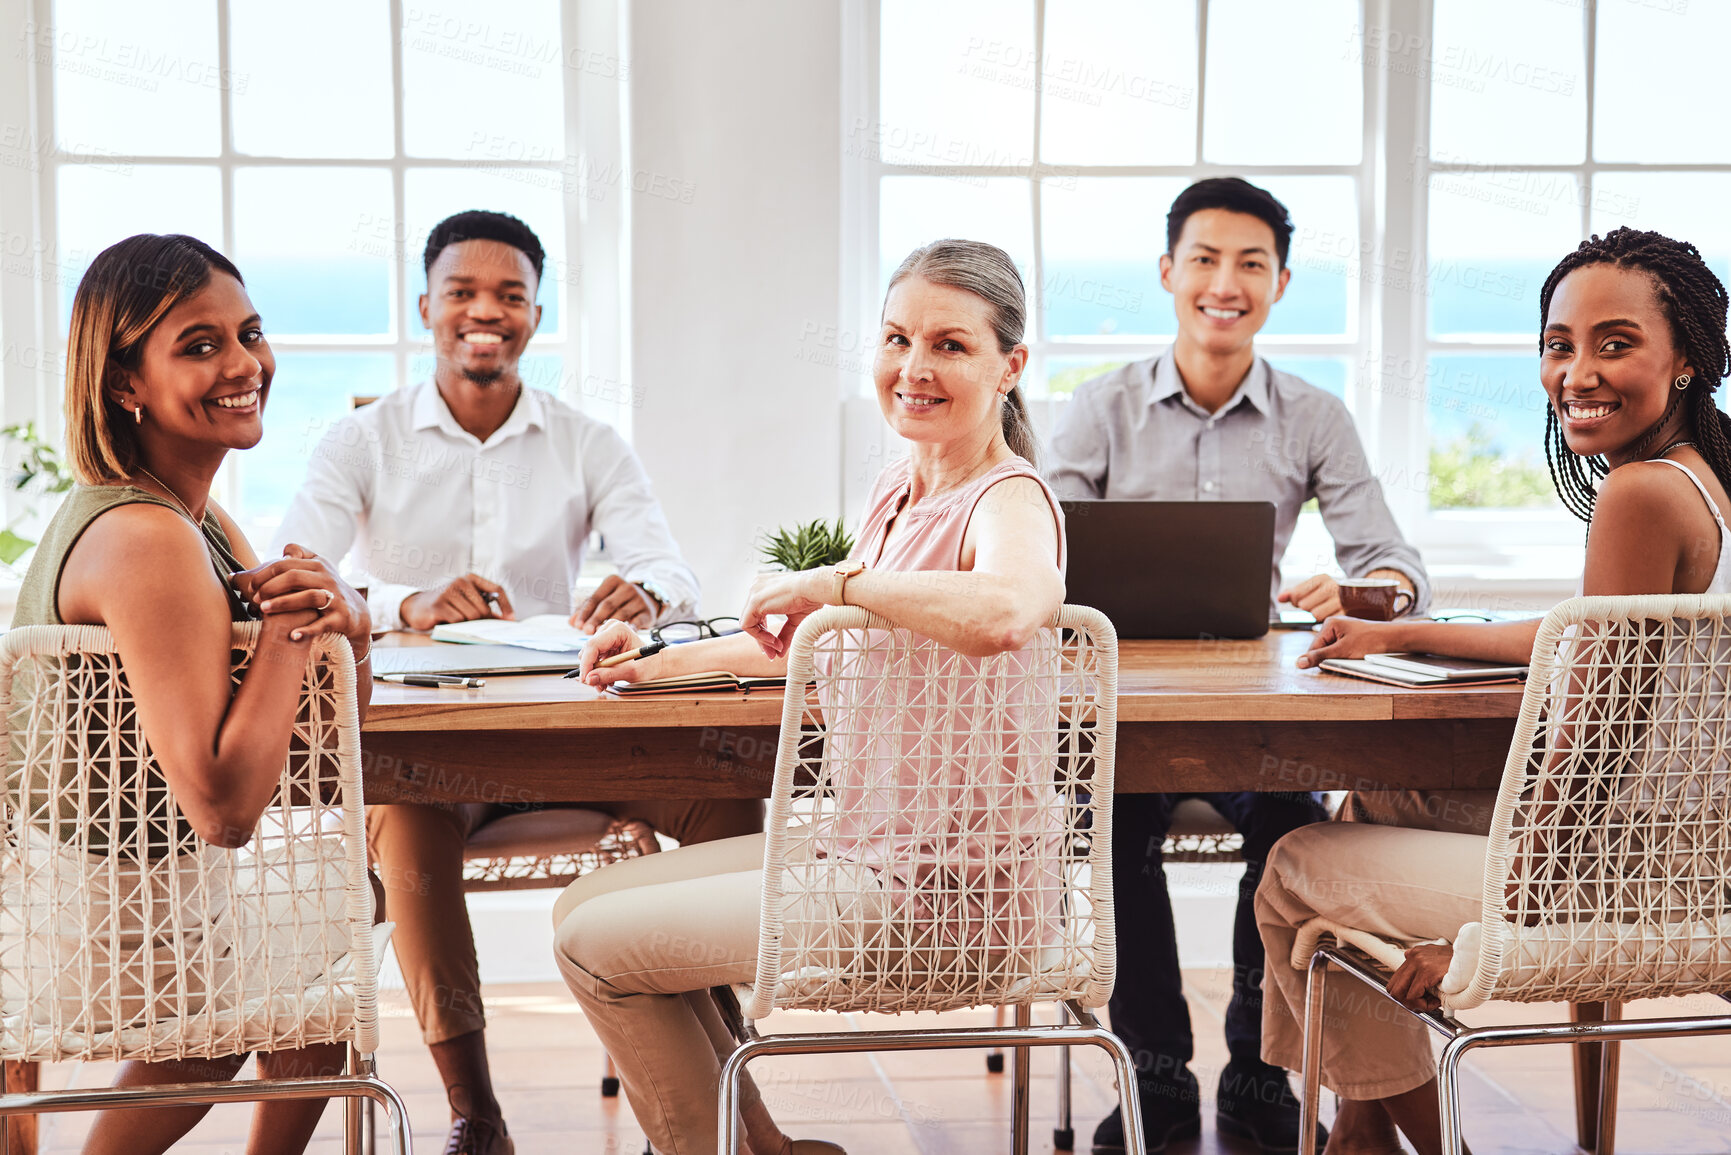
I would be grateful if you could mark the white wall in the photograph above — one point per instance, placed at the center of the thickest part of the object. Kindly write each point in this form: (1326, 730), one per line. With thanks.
(738, 103)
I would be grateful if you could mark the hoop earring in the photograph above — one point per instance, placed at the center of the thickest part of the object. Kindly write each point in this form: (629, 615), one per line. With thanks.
(138, 415)
(1681, 383)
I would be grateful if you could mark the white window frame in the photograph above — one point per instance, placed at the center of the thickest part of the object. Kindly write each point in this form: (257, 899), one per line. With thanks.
(1392, 182)
(863, 172)
(593, 344)
(1459, 531)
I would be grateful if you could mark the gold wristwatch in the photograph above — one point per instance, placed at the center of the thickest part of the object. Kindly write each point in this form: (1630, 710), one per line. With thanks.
(844, 571)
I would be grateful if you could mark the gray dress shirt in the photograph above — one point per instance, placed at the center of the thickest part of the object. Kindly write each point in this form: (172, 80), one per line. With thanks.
(1135, 435)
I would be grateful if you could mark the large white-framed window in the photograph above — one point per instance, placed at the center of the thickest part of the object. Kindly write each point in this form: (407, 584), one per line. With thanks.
(1062, 130)
(1438, 156)
(316, 144)
(1546, 123)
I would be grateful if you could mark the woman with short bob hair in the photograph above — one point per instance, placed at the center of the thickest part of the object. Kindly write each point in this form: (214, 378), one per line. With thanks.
(168, 370)
(961, 542)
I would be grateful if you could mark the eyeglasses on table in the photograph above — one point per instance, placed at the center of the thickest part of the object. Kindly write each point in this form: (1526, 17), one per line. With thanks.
(674, 633)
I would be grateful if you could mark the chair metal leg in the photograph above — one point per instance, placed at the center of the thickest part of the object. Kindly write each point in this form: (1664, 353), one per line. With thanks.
(1088, 1031)
(364, 1082)
(1448, 1089)
(1023, 1059)
(1610, 1058)
(1607, 1032)
(995, 1056)
(1309, 1104)
(727, 1129)
(1129, 1089)
(352, 1121)
(609, 1077)
(1064, 1134)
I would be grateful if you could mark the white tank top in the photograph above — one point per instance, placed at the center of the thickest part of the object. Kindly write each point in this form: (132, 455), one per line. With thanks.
(1721, 582)
(1680, 780)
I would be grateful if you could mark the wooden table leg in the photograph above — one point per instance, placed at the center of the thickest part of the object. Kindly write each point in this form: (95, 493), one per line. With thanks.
(1588, 1057)
(20, 1130)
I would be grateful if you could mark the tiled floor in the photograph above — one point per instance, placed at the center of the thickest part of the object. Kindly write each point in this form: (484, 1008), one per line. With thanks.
(1676, 1094)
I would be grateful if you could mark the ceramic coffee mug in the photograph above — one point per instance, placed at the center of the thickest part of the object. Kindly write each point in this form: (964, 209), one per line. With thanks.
(1374, 599)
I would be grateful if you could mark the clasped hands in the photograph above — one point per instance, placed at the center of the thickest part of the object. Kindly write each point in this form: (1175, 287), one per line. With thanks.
(302, 582)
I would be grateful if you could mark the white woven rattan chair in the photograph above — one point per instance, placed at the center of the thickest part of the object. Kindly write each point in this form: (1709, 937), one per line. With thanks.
(551, 848)
(1608, 871)
(124, 936)
(964, 782)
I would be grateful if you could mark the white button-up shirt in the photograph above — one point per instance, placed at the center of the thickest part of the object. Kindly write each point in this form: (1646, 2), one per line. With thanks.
(422, 501)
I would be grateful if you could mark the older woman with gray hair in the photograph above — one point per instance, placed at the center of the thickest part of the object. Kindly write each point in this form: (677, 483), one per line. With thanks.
(961, 542)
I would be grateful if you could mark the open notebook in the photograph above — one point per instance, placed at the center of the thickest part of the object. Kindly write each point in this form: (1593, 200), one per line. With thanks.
(550, 633)
(696, 683)
(472, 660)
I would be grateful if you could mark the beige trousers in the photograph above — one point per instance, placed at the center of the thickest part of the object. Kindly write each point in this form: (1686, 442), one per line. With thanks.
(418, 849)
(1454, 811)
(640, 944)
(1406, 886)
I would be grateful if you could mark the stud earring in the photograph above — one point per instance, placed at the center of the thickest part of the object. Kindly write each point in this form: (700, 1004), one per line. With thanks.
(138, 415)
(1682, 382)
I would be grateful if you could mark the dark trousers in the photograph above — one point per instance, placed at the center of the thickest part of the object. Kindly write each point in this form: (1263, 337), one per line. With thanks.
(1147, 1009)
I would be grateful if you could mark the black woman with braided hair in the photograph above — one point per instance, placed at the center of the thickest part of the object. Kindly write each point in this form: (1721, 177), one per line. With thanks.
(1632, 348)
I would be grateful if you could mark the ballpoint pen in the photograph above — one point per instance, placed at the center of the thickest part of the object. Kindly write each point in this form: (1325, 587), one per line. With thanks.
(435, 681)
(650, 650)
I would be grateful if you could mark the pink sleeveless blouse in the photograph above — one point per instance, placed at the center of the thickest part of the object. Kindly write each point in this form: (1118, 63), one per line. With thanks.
(951, 799)
(931, 532)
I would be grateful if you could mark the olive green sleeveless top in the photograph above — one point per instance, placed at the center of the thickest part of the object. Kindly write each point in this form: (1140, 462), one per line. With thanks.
(38, 605)
(38, 597)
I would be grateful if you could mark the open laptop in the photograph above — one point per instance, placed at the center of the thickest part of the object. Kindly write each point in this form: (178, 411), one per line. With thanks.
(1173, 569)
(451, 658)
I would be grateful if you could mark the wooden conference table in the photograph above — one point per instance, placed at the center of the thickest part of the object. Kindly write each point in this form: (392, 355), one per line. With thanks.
(1192, 715)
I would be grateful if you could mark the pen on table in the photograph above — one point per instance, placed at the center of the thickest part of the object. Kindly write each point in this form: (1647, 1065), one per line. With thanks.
(650, 650)
(436, 681)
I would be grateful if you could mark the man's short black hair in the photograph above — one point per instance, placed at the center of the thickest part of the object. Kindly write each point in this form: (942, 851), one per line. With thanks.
(1234, 194)
(481, 225)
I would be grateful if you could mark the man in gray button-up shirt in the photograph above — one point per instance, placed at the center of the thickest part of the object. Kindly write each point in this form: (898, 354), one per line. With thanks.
(1209, 420)
(1137, 435)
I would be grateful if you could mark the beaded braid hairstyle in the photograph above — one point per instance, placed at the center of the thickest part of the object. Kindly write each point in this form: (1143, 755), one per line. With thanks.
(1694, 302)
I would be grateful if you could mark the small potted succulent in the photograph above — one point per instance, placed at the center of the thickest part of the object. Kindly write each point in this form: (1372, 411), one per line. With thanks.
(802, 547)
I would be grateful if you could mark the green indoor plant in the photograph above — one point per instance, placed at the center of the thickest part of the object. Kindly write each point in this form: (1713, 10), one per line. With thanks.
(807, 546)
(39, 472)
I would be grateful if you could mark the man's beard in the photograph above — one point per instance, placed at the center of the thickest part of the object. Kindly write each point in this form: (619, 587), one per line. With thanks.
(483, 379)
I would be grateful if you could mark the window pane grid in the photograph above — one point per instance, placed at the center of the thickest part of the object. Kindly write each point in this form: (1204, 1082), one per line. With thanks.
(1089, 305)
(260, 164)
(1481, 388)
(1471, 304)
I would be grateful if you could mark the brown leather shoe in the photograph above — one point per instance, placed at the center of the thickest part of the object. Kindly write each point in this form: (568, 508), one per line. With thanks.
(477, 1136)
